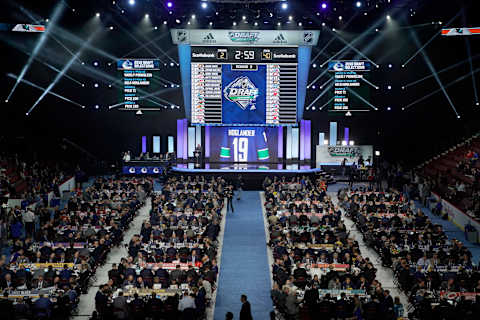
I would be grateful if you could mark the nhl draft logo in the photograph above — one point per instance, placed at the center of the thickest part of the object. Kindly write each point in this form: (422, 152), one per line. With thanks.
(241, 91)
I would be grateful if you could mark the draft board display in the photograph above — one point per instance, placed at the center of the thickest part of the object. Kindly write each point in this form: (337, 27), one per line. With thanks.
(139, 84)
(244, 85)
(351, 89)
(243, 144)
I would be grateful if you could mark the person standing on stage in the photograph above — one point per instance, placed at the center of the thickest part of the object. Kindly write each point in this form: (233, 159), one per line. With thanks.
(229, 195)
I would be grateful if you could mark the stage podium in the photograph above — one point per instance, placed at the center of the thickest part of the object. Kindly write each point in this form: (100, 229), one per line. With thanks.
(198, 157)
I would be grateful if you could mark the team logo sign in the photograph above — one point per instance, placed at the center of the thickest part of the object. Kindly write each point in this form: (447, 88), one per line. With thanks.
(339, 66)
(308, 37)
(243, 92)
(127, 64)
(182, 36)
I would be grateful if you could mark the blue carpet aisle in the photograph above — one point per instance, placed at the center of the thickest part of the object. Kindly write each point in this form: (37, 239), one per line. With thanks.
(244, 264)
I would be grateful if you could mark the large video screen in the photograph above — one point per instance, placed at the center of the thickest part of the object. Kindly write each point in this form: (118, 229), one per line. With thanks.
(244, 85)
(351, 90)
(243, 144)
(139, 84)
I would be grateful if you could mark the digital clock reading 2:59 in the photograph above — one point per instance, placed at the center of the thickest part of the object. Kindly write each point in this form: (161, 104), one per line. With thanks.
(248, 55)
(244, 55)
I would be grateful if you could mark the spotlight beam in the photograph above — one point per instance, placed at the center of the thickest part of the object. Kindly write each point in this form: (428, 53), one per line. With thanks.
(64, 70)
(321, 95)
(57, 70)
(440, 89)
(361, 98)
(146, 39)
(37, 59)
(332, 39)
(327, 103)
(354, 49)
(453, 66)
(64, 47)
(322, 50)
(369, 83)
(467, 43)
(56, 14)
(325, 83)
(11, 75)
(144, 45)
(77, 40)
(136, 40)
(367, 49)
(432, 69)
(429, 41)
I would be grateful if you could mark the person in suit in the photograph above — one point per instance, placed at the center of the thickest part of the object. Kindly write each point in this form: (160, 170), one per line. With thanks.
(43, 305)
(245, 312)
(40, 283)
(7, 282)
(120, 306)
(6, 307)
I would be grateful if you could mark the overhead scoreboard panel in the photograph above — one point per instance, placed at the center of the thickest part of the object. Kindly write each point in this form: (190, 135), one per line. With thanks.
(244, 85)
(244, 77)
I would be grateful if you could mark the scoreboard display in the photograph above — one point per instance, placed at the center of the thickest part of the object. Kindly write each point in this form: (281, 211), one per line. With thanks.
(138, 83)
(350, 90)
(244, 85)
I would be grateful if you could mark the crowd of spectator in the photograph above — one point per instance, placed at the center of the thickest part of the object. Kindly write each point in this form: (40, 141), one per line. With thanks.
(54, 253)
(460, 186)
(425, 262)
(318, 269)
(38, 177)
(171, 270)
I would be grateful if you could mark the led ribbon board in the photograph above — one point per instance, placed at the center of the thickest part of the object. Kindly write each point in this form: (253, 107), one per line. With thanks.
(460, 32)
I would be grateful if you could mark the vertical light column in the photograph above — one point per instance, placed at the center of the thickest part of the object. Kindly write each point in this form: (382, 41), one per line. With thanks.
(198, 136)
(144, 144)
(156, 144)
(302, 140)
(346, 135)
(179, 138)
(321, 138)
(207, 142)
(295, 140)
(308, 139)
(191, 141)
(289, 143)
(280, 142)
(185, 139)
(171, 144)
(333, 134)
